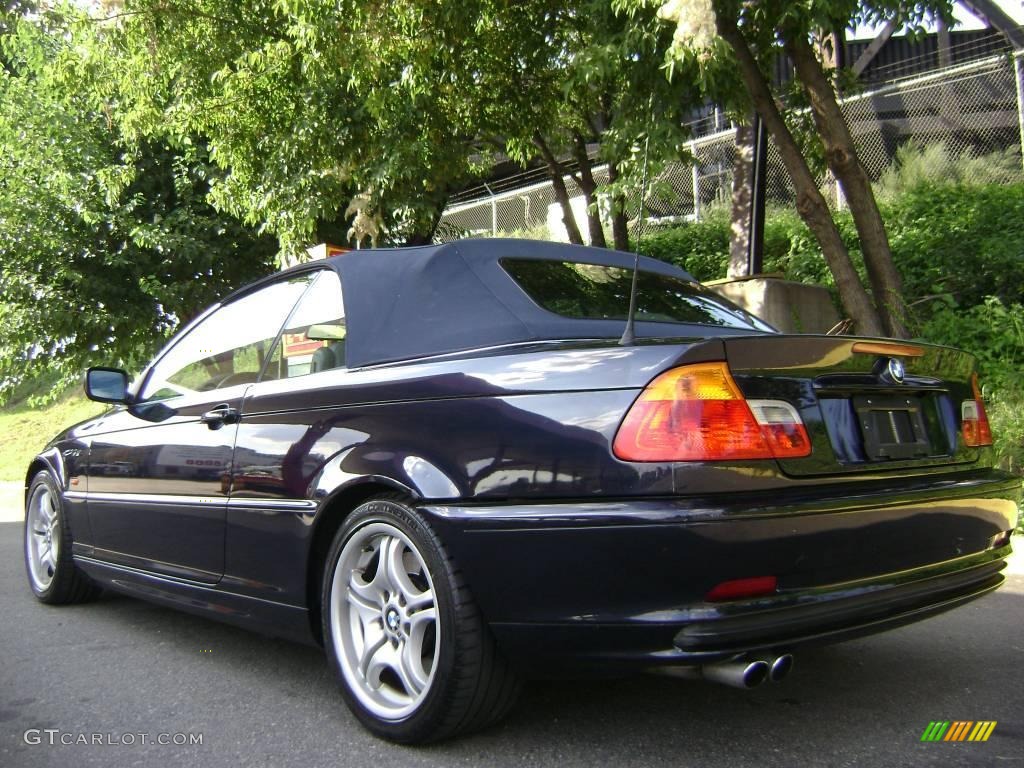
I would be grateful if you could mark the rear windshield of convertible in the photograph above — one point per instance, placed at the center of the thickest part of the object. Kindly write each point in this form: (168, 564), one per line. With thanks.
(596, 292)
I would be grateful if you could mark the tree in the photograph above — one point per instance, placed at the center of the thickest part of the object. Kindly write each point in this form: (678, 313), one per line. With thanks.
(307, 106)
(104, 250)
(754, 33)
(800, 25)
(602, 98)
(318, 111)
(732, 73)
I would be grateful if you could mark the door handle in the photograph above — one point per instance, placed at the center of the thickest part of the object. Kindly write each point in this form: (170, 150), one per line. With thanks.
(219, 416)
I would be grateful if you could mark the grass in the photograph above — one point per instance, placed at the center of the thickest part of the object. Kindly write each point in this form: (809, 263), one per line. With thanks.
(26, 430)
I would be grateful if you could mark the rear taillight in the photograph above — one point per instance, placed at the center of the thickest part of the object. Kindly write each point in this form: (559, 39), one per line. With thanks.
(697, 413)
(973, 419)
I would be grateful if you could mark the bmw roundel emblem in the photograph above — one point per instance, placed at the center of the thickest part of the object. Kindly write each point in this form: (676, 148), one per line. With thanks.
(896, 370)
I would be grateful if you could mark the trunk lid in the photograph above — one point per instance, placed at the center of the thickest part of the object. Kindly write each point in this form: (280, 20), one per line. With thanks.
(868, 405)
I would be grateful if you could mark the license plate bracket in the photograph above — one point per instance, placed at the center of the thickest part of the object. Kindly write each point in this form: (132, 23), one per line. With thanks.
(892, 427)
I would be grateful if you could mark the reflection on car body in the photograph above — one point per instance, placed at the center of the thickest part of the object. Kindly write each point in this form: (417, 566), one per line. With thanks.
(441, 464)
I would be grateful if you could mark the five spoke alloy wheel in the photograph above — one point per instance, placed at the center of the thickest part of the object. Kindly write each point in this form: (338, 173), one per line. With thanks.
(52, 574)
(384, 620)
(42, 537)
(415, 660)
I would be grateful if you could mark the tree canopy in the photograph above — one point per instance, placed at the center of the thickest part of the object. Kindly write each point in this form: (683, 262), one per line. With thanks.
(104, 247)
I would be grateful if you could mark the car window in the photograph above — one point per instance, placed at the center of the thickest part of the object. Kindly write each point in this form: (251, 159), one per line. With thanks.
(229, 347)
(597, 292)
(313, 339)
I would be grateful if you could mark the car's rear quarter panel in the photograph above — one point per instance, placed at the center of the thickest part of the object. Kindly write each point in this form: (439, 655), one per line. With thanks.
(531, 425)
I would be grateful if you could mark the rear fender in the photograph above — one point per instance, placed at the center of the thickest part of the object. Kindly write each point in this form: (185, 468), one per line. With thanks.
(411, 475)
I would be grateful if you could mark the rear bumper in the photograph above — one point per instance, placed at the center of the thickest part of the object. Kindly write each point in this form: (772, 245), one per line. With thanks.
(844, 612)
(605, 586)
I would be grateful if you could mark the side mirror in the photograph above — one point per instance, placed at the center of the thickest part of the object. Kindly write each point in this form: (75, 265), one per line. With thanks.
(106, 385)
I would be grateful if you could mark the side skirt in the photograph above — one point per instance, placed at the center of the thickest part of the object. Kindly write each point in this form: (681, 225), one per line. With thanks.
(263, 616)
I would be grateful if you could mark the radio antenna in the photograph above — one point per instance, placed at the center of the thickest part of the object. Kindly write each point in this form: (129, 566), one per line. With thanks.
(628, 335)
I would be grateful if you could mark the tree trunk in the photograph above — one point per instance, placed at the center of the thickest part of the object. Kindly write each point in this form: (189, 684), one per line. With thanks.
(555, 171)
(419, 238)
(589, 188)
(620, 228)
(809, 203)
(885, 280)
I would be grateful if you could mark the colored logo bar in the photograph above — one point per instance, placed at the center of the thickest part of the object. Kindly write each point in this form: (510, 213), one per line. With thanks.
(959, 730)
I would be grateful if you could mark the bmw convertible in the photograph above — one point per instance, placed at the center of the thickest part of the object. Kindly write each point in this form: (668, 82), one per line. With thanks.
(454, 468)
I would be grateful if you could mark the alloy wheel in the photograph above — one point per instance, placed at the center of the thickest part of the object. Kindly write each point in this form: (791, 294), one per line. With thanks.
(42, 537)
(384, 620)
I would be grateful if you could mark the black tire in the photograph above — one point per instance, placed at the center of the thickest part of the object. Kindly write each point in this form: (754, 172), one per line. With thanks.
(56, 581)
(469, 685)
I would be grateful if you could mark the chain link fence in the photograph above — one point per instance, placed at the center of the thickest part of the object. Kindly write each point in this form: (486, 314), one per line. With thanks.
(972, 109)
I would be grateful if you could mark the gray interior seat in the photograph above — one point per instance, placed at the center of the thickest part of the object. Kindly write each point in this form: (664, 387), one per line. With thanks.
(323, 359)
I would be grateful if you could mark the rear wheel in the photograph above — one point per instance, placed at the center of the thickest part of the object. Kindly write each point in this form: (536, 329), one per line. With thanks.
(415, 660)
(52, 574)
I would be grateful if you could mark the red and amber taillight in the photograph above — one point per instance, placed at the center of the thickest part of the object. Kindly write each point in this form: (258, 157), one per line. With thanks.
(697, 413)
(973, 419)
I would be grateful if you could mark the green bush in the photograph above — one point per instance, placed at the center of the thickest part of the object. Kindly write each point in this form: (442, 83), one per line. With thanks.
(917, 165)
(702, 247)
(994, 332)
(965, 240)
(790, 249)
(1004, 414)
(699, 247)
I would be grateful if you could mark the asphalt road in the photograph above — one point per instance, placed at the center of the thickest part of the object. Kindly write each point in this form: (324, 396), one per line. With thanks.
(121, 667)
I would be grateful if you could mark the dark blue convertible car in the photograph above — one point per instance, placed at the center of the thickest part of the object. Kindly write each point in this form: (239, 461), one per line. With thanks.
(442, 464)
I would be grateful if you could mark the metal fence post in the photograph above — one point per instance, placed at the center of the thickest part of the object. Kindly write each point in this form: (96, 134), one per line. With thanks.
(1018, 69)
(696, 191)
(494, 211)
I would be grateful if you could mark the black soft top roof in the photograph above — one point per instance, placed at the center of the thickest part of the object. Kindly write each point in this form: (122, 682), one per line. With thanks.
(406, 303)
(402, 303)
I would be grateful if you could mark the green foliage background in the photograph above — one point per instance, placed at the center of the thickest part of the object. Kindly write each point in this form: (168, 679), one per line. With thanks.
(106, 245)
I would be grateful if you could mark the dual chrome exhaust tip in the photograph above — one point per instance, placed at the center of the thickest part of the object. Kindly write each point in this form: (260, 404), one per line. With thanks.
(780, 667)
(737, 673)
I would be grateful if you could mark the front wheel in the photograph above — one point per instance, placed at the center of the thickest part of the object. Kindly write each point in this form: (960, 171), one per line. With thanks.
(52, 574)
(415, 660)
